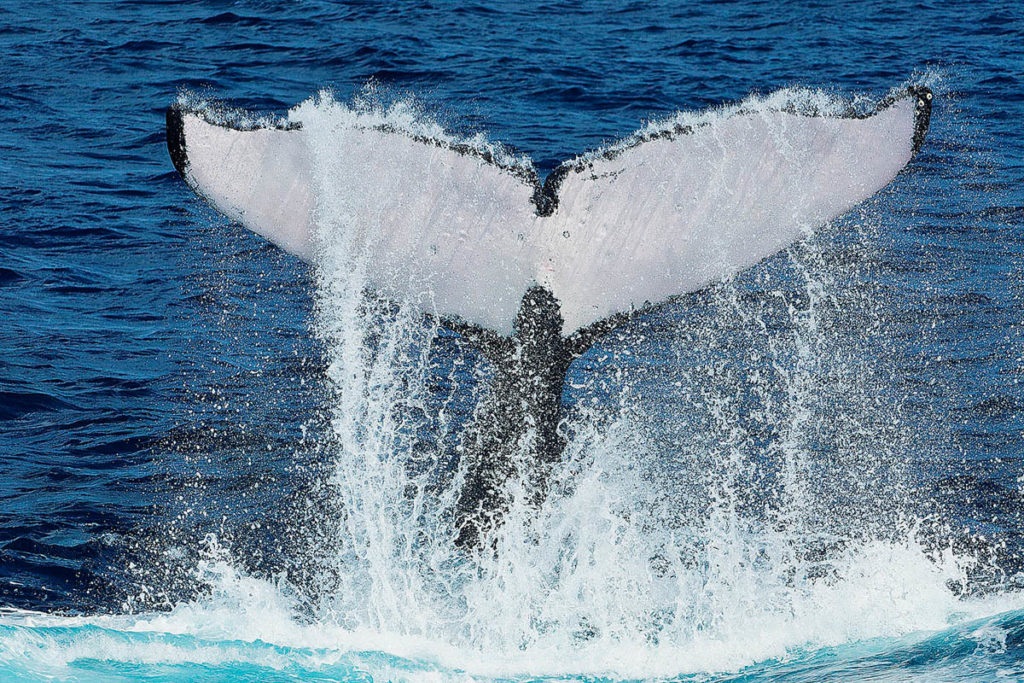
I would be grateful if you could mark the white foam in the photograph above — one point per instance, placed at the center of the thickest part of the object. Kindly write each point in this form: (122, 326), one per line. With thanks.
(881, 590)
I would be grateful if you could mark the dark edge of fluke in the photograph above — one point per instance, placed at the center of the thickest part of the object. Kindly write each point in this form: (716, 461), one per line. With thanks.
(176, 139)
(923, 115)
(545, 194)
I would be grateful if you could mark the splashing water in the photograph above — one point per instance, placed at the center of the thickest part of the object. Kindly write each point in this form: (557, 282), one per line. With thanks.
(732, 490)
(757, 511)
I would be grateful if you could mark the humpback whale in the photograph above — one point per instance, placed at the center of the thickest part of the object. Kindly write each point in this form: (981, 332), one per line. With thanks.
(533, 272)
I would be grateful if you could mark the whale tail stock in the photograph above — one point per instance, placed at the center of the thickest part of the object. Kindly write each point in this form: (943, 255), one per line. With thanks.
(553, 265)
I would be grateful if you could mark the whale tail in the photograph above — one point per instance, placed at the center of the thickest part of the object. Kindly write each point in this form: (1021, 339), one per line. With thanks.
(532, 273)
(663, 212)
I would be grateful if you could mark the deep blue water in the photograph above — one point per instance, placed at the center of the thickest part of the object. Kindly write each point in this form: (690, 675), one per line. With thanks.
(159, 380)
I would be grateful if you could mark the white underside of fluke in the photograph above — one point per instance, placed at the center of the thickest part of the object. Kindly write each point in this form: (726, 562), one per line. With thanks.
(632, 226)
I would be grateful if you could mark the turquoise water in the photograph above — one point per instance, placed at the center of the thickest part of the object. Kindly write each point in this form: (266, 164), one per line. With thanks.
(37, 647)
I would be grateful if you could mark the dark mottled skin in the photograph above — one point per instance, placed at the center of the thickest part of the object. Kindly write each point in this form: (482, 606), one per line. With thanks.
(515, 430)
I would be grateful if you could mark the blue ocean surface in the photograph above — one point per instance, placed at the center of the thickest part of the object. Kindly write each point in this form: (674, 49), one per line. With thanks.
(216, 468)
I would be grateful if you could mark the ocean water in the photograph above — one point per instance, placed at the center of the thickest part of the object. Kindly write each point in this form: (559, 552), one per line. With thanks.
(219, 463)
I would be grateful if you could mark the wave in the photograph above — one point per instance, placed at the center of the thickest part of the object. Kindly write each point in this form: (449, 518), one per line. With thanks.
(906, 629)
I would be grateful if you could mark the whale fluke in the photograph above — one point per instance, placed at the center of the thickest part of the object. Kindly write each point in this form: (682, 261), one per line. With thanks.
(655, 215)
(531, 272)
